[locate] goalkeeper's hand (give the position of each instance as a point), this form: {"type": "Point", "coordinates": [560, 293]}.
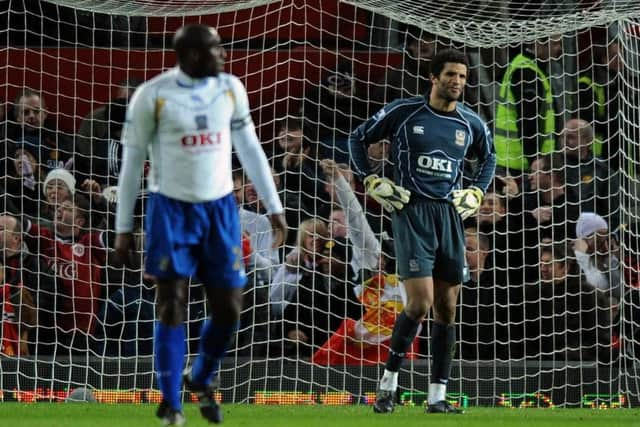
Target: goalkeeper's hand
{"type": "Point", "coordinates": [467, 202]}
{"type": "Point", "coordinates": [391, 197]}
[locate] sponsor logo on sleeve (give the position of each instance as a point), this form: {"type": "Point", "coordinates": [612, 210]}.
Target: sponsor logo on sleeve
{"type": "Point", "coordinates": [379, 115]}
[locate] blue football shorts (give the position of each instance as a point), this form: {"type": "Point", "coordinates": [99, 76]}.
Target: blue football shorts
{"type": "Point", "coordinates": [199, 240]}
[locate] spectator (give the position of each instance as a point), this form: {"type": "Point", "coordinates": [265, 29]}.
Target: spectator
{"type": "Point", "coordinates": [411, 77]}
{"type": "Point", "coordinates": [592, 94]}
{"type": "Point", "coordinates": [333, 109]}
{"type": "Point", "coordinates": [310, 240]}
{"type": "Point", "coordinates": [525, 120]}
{"type": "Point", "coordinates": [483, 311]}
{"type": "Point", "coordinates": [59, 186]}
{"type": "Point", "coordinates": [551, 208]}
{"type": "Point", "coordinates": [247, 197]}
{"type": "Point", "coordinates": [257, 228]}
{"type": "Point", "coordinates": [25, 268]}
{"type": "Point", "coordinates": [98, 145]}
{"type": "Point", "coordinates": [365, 341]}
{"type": "Point", "coordinates": [598, 99]}
{"type": "Point", "coordinates": [381, 293]}
{"type": "Point", "coordinates": [564, 319]}
{"type": "Point", "coordinates": [32, 132]}
{"type": "Point", "coordinates": [22, 184]}
{"type": "Point", "coordinates": [261, 260]}
{"type": "Point", "coordinates": [126, 319]}
{"type": "Point", "coordinates": [597, 254]}
{"type": "Point", "coordinates": [504, 229]}
{"type": "Point", "coordinates": [301, 175]}
{"type": "Point", "coordinates": [18, 316]}
{"type": "Point", "coordinates": [79, 256]}
{"type": "Point", "coordinates": [597, 185]}
{"type": "Point", "coordinates": [324, 298]}
{"type": "Point", "coordinates": [348, 221]}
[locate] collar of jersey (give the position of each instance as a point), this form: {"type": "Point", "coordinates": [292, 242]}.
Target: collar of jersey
{"type": "Point", "coordinates": [184, 80]}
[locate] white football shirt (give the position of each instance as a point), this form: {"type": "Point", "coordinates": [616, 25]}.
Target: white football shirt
{"type": "Point", "coordinates": [187, 127]}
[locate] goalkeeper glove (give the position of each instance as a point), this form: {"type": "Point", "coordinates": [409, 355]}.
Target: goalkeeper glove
{"type": "Point", "coordinates": [390, 196]}
{"type": "Point", "coordinates": [467, 201]}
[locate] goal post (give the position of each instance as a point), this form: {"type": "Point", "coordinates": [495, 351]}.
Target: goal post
{"type": "Point", "coordinates": [327, 66]}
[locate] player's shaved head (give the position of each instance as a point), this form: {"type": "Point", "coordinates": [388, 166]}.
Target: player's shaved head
{"type": "Point", "coordinates": [195, 36]}
{"type": "Point", "coordinates": [198, 50]}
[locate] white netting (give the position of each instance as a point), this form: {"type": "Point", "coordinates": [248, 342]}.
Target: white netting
{"type": "Point", "coordinates": [294, 57]}
{"type": "Point", "coordinates": [162, 7]}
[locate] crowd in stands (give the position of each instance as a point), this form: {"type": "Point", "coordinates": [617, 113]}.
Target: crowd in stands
{"type": "Point", "coordinates": [546, 267]}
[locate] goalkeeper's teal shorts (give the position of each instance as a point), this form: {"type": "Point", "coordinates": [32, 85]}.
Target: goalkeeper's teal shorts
{"type": "Point", "coordinates": [429, 241]}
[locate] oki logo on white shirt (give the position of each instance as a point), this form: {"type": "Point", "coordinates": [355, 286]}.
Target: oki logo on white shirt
{"type": "Point", "coordinates": [201, 139]}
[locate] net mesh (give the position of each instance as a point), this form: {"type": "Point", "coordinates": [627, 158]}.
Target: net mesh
{"type": "Point", "coordinates": [314, 71]}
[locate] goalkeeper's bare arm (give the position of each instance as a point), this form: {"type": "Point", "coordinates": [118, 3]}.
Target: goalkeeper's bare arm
{"type": "Point", "coordinates": [430, 136]}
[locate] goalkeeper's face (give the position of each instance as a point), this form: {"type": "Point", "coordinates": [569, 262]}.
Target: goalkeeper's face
{"type": "Point", "coordinates": [449, 84]}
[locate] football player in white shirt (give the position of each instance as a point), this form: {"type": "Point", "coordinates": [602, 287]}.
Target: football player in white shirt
{"type": "Point", "coordinates": [186, 119]}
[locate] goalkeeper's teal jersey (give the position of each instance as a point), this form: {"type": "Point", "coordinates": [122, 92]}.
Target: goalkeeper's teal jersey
{"type": "Point", "coordinates": [428, 146]}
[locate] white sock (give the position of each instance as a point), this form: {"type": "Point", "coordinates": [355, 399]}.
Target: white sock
{"type": "Point", "coordinates": [389, 381]}
{"type": "Point", "coordinates": [437, 392]}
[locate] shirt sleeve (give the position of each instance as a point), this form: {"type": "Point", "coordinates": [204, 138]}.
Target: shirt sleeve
{"type": "Point", "coordinates": [375, 129]}
{"type": "Point", "coordinates": [247, 146]}
{"type": "Point", "coordinates": [486, 154]}
{"type": "Point", "coordinates": [361, 235]}
{"type": "Point", "coordinates": [138, 132]}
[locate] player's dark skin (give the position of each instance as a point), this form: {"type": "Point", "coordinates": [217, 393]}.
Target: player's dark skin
{"type": "Point", "coordinates": [199, 55]}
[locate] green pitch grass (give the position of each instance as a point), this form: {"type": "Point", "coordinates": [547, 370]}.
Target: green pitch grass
{"type": "Point", "coordinates": [128, 415]}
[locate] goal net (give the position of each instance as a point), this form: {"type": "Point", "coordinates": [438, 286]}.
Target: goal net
{"type": "Point", "coordinates": [550, 312]}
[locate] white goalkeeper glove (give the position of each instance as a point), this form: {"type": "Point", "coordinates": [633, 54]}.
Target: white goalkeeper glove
{"type": "Point", "coordinates": [467, 201]}
{"type": "Point", "coordinates": [391, 197]}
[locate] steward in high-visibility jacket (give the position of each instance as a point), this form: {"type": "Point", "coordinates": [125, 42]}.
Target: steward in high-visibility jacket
{"type": "Point", "coordinates": [516, 141]}
{"type": "Point", "coordinates": [593, 108]}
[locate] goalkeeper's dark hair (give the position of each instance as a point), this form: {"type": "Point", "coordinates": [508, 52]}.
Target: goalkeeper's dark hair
{"type": "Point", "coordinates": [447, 55]}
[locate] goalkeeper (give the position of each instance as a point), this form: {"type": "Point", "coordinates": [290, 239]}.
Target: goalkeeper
{"type": "Point", "coordinates": [430, 136]}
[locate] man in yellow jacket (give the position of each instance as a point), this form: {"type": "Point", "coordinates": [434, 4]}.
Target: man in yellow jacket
{"type": "Point", "coordinates": [525, 121]}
